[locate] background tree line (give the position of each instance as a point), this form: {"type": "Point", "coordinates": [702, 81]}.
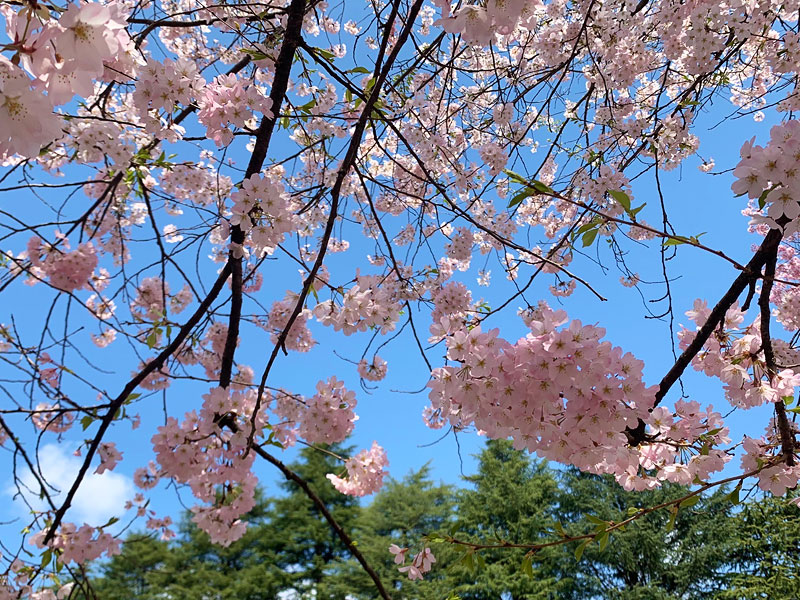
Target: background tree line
{"type": "Point", "coordinates": [714, 549]}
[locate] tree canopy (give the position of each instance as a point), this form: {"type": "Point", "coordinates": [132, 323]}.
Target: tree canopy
{"type": "Point", "coordinates": [709, 551]}
{"type": "Point", "coordinates": [224, 225]}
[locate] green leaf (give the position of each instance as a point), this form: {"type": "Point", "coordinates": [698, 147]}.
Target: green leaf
{"type": "Point", "coordinates": [762, 199]}
{"type": "Point", "coordinates": [673, 515]}
{"type": "Point", "coordinates": [306, 108]}
{"type": "Point", "coordinates": [364, 70]}
{"type": "Point", "coordinates": [734, 495]}
{"type": "Point", "coordinates": [527, 565]}
{"type": "Point", "coordinates": [326, 54]}
{"type": "Point", "coordinates": [468, 560]}
{"type": "Point", "coordinates": [110, 522]}
{"type": "Point", "coordinates": [695, 239]}
{"type": "Point", "coordinates": [515, 176]}
{"type": "Point", "coordinates": [520, 196]}
{"type": "Point", "coordinates": [602, 540]}
{"type": "Point", "coordinates": [589, 237]}
{"type": "Point", "coordinates": [676, 241]}
{"type": "Point", "coordinates": [622, 198]}
{"type": "Point", "coordinates": [635, 211]}
{"type": "Point", "coordinates": [691, 501]}
{"type": "Point", "coordinates": [560, 529]}
{"type": "Point", "coordinates": [597, 520]}
{"type": "Point", "coordinates": [581, 547]}
{"type": "Point", "coordinates": [541, 187]}
{"type": "Point", "coordinates": [47, 556]}
{"type": "Point", "coordinates": [86, 422]}
{"type": "Point", "coordinates": [152, 339]}
{"type": "Point", "coordinates": [587, 226]}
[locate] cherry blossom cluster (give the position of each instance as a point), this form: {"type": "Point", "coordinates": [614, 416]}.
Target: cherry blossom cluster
{"type": "Point", "coordinates": [734, 354]}
{"type": "Point", "coordinates": [153, 298]}
{"type": "Point", "coordinates": [64, 269]}
{"type": "Point", "coordinates": [785, 296]}
{"type": "Point", "coordinates": [479, 24]}
{"type": "Point", "coordinates": [687, 446]}
{"type": "Point", "coordinates": [372, 301]}
{"type": "Point", "coordinates": [60, 56]}
{"type": "Point", "coordinates": [163, 86]}
{"type": "Point", "coordinates": [770, 174]}
{"type": "Point", "coordinates": [52, 418]}
{"type": "Point", "coordinates": [327, 417]}
{"type": "Point", "coordinates": [209, 451]}
{"type": "Point", "coordinates": [263, 210]}
{"type": "Point", "coordinates": [567, 395]}
{"type": "Point", "coordinates": [109, 457]}
{"type": "Point", "coordinates": [365, 472]}
{"type": "Point", "coordinates": [374, 371]}
{"type": "Point", "coordinates": [229, 100]}
{"type": "Point", "coordinates": [460, 248]}
{"type": "Point", "coordinates": [299, 336]}
{"type": "Point", "coordinates": [198, 183]}
{"type": "Point", "coordinates": [420, 564]}
{"type": "Point", "coordinates": [78, 544]}
{"type": "Point", "coordinates": [774, 478]}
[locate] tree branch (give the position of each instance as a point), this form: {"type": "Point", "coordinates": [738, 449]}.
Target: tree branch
{"type": "Point", "coordinates": [784, 428]}
{"type": "Point", "coordinates": [280, 83]}
{"type": "Point", "coordinates": [337, 528]}
{"type": "Point", "coordinates": [117, 402]}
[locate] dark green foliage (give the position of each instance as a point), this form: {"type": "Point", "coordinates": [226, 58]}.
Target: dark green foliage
{"type": "Point", "coordinates": [511, 498]}
{"type": "Point", "coordinates": [712, 550]}
{"type": "Point", "coordinates": [302, 546]}
{"type": "Point", "coordinates": [138, 572]}
{"type": "Point", "coordinates": [765, 553]}
{"type": "Point", "coordinates": [287, 546]}
{"type": "Point", "coordinates": [402, 513]}
{"type": "Point", "coordinates": [650, 559]}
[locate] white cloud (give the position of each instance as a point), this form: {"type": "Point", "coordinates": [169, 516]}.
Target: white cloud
{"type": "Point", "coordinates": [99, 498]}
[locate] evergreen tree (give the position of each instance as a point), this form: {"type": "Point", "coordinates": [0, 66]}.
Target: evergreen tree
{"type": "Point", "coordinates": [512, 499]}
{"type": "Point", "coordinates": [288, 548]}
{"type": "Point", "coordinates": [765, 556]}
{"type": "Point", "coordinates": [402, 513]}
{"type": "Point", "coordinates": [139, 571]}
{"type": "Point", "coordinates": [306, 550]}
{"type": "Point", "coordinates": [710, 551]}
{"type": "Point", "coordinates": [652, 558]}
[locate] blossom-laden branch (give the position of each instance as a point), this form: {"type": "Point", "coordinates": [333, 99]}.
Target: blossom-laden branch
{"type": "Point", "coordinates": [145, 171]}
{"type": "Point", "coordinates": [603, 529]}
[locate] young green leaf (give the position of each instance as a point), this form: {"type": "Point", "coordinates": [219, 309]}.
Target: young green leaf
{"type": "Point", "coordinates": [621, 197]}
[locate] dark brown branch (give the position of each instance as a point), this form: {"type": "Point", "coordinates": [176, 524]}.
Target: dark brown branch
{"type": "Point", "coordinates": [750, 273]}
{"type": "Point", "coordinates": [337, 528]}
{"type": "Point", "coordinates": [347, 162]}
{"type": "Point", "coordinates": [280, 83]}
{"type": "Point", "coordinates": [784, 428]}
{"type": "Point", "coordinates": [117, 402]}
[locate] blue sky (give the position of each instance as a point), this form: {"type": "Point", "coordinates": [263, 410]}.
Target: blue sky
{"type": "Point", "coordinates": [391, 413]}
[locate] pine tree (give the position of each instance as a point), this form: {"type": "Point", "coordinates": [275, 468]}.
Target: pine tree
{"type": "Point", "coordinates": [288, 548]}
{"type": "Point", "coordinates": [402, 513]}
{"type": "Point", "coordinates": [655, 557]}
